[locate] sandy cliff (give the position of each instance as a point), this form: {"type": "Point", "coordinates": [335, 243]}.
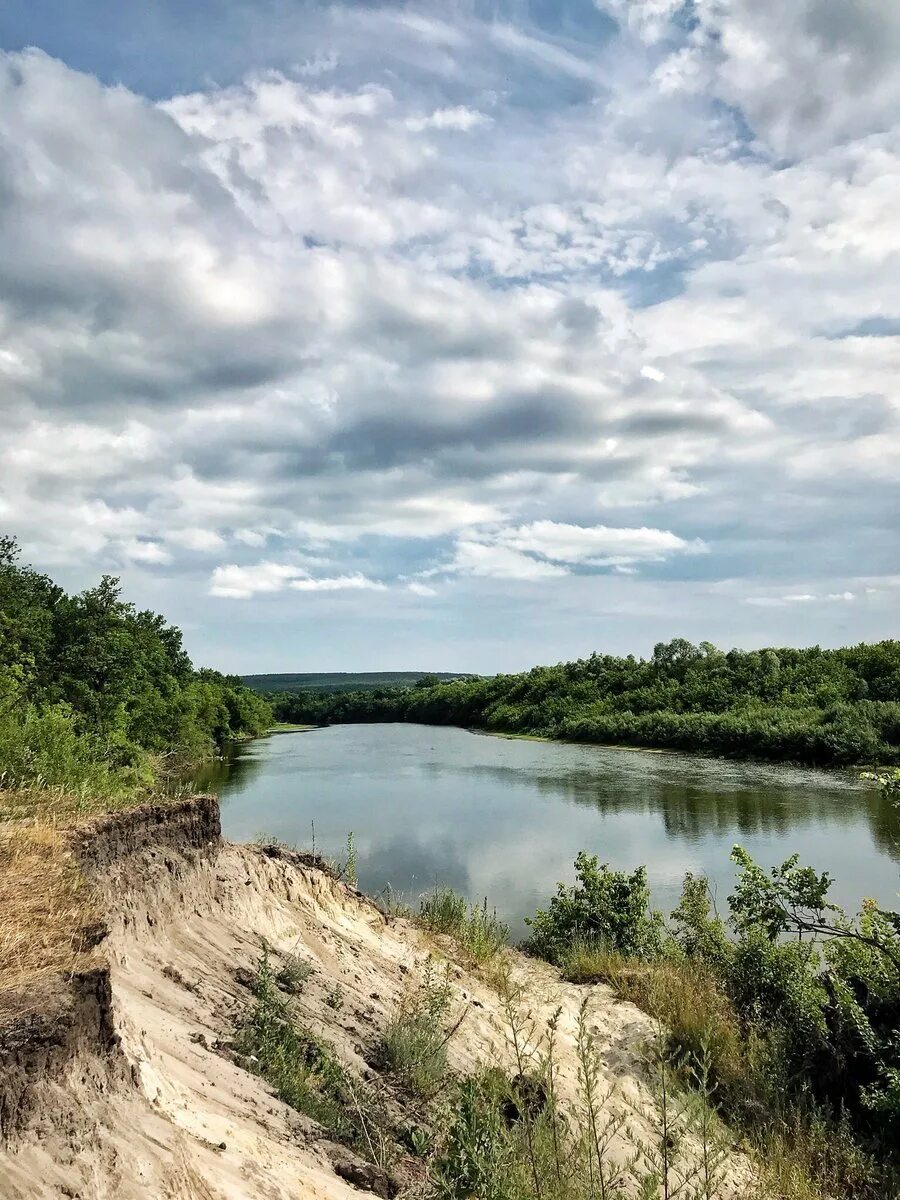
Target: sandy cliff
{"type": "Point", "coordinates": [120, 1082]}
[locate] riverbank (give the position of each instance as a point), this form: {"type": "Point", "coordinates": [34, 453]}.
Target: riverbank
{"type": "Point", "coordinates": [128, 1074]}
{"type": "Point", "coordinates": [538, 737]}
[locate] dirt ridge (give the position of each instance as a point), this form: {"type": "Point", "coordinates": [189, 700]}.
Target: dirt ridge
{"type": "Point", "coordinates": [49, 1022]}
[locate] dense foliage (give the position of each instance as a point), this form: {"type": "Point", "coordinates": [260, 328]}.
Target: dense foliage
{"type": "Point", "coordinates": [93, 692]}
{"type": "Point", "coordinates": [794, 1003]}
{"type": "Point", "coordinates": [812, 705]}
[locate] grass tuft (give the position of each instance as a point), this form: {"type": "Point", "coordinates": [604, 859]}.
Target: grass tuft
{"type": "Point", "coordinates": [414, 1043]}
{"type": "Point", "coordinates": [477, 930]}
{"type": "Point", "coordinates": [302, 1069]}
{"type": "Point", "coordinates": [293, 974]}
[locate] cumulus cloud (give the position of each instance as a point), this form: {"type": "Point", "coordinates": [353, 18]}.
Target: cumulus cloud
{"type": "Point", "coordinates": [494, 561]}
{"type": "Point", "coordinates": [145, 552]}
{"type": "Point", "coordinates": [549, 549]}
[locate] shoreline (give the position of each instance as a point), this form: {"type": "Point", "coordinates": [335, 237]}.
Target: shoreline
{"type": "Point", "coordinates": [854, 771]}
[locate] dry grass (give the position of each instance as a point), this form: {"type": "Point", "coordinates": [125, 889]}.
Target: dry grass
{"type": "Point", "coordinates": [45, 908]}
{"type": "Point", "coordinates": [62, 806]}
{"type": "Point", "coordinates": [47, 911]}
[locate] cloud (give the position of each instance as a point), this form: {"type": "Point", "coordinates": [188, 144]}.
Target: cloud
{"type": "Point", "coordinates": [597, 545]}
{"type": "Point", "coordinates": [459, 118]}
{"type": "Point", "coordinates": [798, 598]}
{"type": "Point", "coordinates": [530, 301]}
{"type": "Point", "coordinates": [145, 552]}
{"type": "Point", "coordinates": [240, 583]}
{"type": "Point", "coordinates": [499, 562]}
{"type": "Point", "coordinates": [338, 583]}
{"type": "Point", "coordinates": [538, 550]}
{"type": "Point", "coordinates": [200, 540]}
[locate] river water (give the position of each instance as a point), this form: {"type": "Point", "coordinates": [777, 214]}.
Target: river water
{"type": "Point", "coordinates": [504, 818]}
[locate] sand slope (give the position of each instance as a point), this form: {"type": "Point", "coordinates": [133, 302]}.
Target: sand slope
{"type": "Point", "coordinates": [142, 1099]}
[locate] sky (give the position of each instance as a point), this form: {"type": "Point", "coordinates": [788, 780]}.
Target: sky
{"type": "Point", "coordinates": [456, 336]}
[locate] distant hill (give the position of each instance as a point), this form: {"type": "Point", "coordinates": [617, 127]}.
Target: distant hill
{"type": "Point", "coordinates": [342, 681]}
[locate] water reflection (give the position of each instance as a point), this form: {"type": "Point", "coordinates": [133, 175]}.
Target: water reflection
{"type": "Point", "coordinates": [505, 818]}
{"type": "Point", "coordinates": [735, 798]}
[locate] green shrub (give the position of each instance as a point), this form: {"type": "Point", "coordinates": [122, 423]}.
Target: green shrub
{"type": "Point", "coordinates": [604, 906]}
{"type": "Point", "coordinates": [793, 1007]}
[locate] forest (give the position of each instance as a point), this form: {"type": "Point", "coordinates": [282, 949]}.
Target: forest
{"type": "Point", "coordinates": [100, 696]}
{"type": "Point", "coordinates": [816, 706]}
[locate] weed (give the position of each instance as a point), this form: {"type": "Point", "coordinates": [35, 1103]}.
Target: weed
{"type": "Point", "coordinates": [443, 911]}
{"type": "Point", "coordinates": [414, 1043]}
{"type": "Point", "coordinates": [392, 903]}
{"type": "Point", "coordinates": [293, 973]}
{"type": "Point", "coordinates": [334, 997]}
{"type": "Point", "coordinates": [301, 1068]}
{"type": "Point", "coordinates": [347, 869]}
{"type": "Point", "coordinates": [477, 930]}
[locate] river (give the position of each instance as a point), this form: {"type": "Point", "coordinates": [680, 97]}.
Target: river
{"type": "Point", "coordinates": [504, 818]}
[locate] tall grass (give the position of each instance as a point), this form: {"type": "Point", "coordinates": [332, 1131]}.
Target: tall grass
{"type": "Point", "coordinates": [511, 1137]}
{"type": "Point", "coordinates": [808, 1154]}
{"type": "Point", "coordinates": [414, 1044]}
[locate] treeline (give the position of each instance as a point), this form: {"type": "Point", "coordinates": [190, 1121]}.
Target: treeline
{"type": "Point", "coordinates": [827, 707]}
{"type": "Point", "coordinates": [97, 694]}
{"type": "Point", "coordinates": [340, 681]}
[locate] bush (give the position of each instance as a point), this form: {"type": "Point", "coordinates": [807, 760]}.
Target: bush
{"type": "Point", "coordinates": [605, 907]}
{"type": "Point", "coordinates": [791, 1008]}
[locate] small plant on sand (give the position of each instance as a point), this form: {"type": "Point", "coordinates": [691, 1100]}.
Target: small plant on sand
{"type": "Point", "coordinates": [478, 930]}
{"type": "Point", "coordinates": [293, 973]}
{"type": "Point", "coordinates": [347, 869]}
{"type": "Point", "coordinates": [414, 1044]}
{"type": "Point", "coordinates": [334, 998]}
